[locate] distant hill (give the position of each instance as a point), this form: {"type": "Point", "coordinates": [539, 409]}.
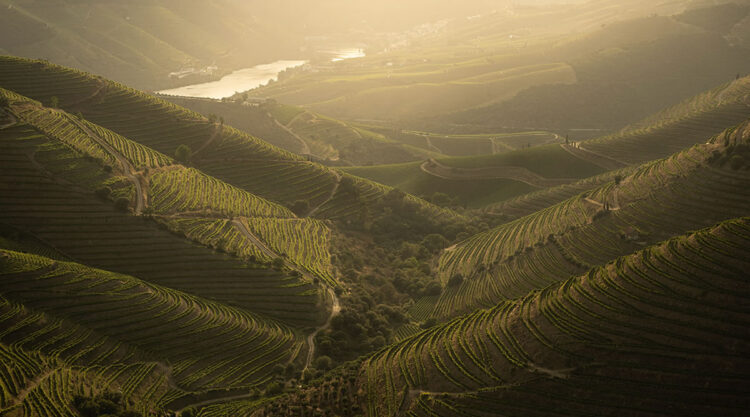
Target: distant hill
{"type": "Point", "coordinates": [598, 66]}
{"type": "Point", "coordinates": [141, 43]}
{"type": "Point", "coordinates": [563, 170]}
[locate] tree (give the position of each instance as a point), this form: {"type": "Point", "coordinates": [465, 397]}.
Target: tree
{"type": "Point", "coordinates": [212, 118]}
{"type": "Point", "coordinates": [323, 362]}
{"type": "Point", "coordinates": [618, 179]}
{"type": "Point", "coordinates": [54, 102]}
{"type": "Point", "coordinates": [455, 280]}
{"type": "Point", "coordinates": [183, 154]}
{"type": "Point", "coordinates": [122, 204]}
{"type": "Point", "coordinates": [274, 389]}
{"type": "Point", "coordinates": [4, 102]}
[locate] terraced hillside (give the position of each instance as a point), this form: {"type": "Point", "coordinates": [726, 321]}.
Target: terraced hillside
{"type": "Point", "coordinates": [702, 185]}
{"type": "Point", "coordinates": [660, 332]}
{"type": "Point", "coordinates": [131, 335]}
{"type": "Point", "coordinates": [217, 150]}
{"type": "Point", "coordinates": [56, 185]}
{"type": "Point", "coordinates": [480, 181]}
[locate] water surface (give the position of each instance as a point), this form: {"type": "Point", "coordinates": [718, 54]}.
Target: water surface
{"type": "Point", "coordinates": [238, 81]}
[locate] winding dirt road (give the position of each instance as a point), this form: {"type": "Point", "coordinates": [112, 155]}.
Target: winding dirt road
{"type": "Point", "coordinates": [128, 169]}
{"type": "Point", "coordinates": [330, 196]}
{"type": "Point", "coordinates": [602, 161]}
{"type": "Point", "coordinates": [335, 308]}
{"type": "Point", "coordinates": [305, 147]}
{"type": "Point", "coordinates": [521, 174]}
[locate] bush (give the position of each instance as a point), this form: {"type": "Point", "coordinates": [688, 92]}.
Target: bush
{"type": "Point", "coordinates": [274, 388]}
{"type": "Point", "coordinates": [433, 288]}
{"type": "Point", "coordinates": [456, 280]}
{"type": "Point", "coordinates": [324, 363]}
{"type": "Point", "coordinates": [103, 193]}
{"type": "Point", "coordinates": [428, 323]}
{"type": "Point", "coordinates": [183, 154]}
{"type": "Point", "coordinates": [122, 204]}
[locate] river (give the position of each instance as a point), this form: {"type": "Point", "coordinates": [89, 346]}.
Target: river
{"type": "Point", "coordinates": [238, 81]}
{"type": "Point", "coordinates": [250, 78]}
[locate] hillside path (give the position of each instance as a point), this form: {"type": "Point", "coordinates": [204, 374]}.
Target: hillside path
{"type": "Point", "coordinates": [305, 147]}
{"type": "Point", "coordinates": [128, 168]}
{"type": "Point", "coordinates": [335, 309]}
{"type": "Point", "coordinates": [430, 145]}
{"type": "Point", "coordinates": [178, 413]}
{"type": "Point", "coordinates": [521, 174]}
{"type": "Point", "coordinates": [295, 118]}
{"type": "Point", "coordinates": [21, 396]}
{"type": "Point", "coordinates": [217, 131]}
{"type": "Point", "coordinates": [12, 122]}
{"type": "Point", "coordinates": [330, 196]}
{"type": "Point", "coordinates": [602, 161]}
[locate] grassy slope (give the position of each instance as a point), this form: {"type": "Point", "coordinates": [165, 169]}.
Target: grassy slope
{"type": "Point", "coordinates": [677, 127]}
{"type": "Point", "coordinates": [231, 156]}
{"type": "Point", "coordinates": [64, 214]}
{"type": "Point", "coordinates": [643, 335]}
{"type": "Point", "coordinates": [689, 190]}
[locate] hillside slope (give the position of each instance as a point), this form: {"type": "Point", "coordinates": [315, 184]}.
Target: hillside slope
{"type": "Point", "coordinates": [223, 152]}
{"type": "Point", "coordinates": [702, 185]}
{"type": "Point", "coordinates": [60, 179]}
{"type": "Point", "coordinates": [660, 332]}
{"type": "Point", "coordinates": [481, 180]}
{"type": "Point", "coordinates": [131, 334]}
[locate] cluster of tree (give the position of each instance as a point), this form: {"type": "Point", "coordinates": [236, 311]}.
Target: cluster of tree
{"type": "Point", "coordinates": [104, 404]}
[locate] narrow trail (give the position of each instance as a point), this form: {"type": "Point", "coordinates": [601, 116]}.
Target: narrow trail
{"type": "Point", "coordinates": [431, 146]}
{"type": "Point", "coordinates": [128, 169]}
{"type": "Point", "coordinates": [295, 118]}
{"type": "Point", "coordinates": [305, 147]}
{"type": "Point", "coordinates": [218, 400]}
{"type": "Point", "coordinates": [615, 206]}
{"type": "Point", "coordinates": [99, 90]}
{"type": "Point", "coordinates": [330, 196]}
{"type": "Point", "coordinates": [217, 131]}
{"type": "Point", "coordinates": [13, 121]}
{"type": "Point", "coordinates": [21, 396]}
{"type": "Point", "coordinates": [335, 309]}
{"type": "Point", "coordinates": [521, 174]}
{"type": "Point", "coordinates": [240, 225]}
{"type": "Point", "coordinates": [602, 161]}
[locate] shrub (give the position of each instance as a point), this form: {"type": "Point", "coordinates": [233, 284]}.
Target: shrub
{"type": "Point", "coordinates": [433, 288]}
{"type": "Point", "coordinates": [323, 362]}
{"type": "Point", "coordinates": [103, 193]}
{"type": "Point", "coordinates": [455, 280]}
{"type": "Point", "coordinates": [274, 388]}
{"type": "Point", "coordinates": [122, 204]}
{"type": "Point", "coordinates": [183, 153]}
